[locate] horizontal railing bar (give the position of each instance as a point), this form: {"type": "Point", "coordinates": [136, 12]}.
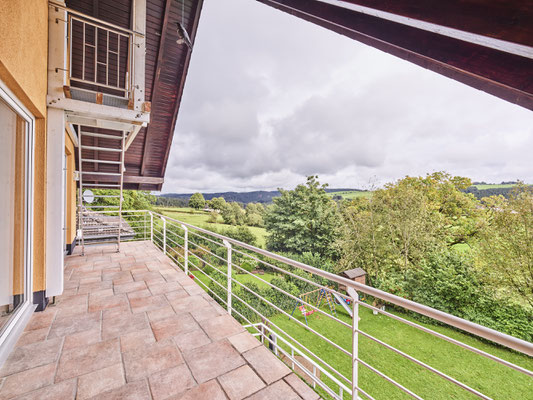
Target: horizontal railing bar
{"type": "Point", "coordinates": [449, 339]}
{"type": "Point", "coordinates": [286, 334]}
{"type": "Point", "coordinates": [338, 347]}
{"type": "Point", "coordinates": [320, 367]}
{"type": "Point", "coordinates": [96, 148]}
{"type": "Point", "coordinates": [471, 327]}
{"type": "Point", "coordinates": [99, 185]}
{"type": "Point", "coordinates": [100, 161]}
{"type": "Point", "coordinates": [85, 16]}
{"type": "Point", "coordinates": [100, 135]}
{"type": "Point", "coordinates": [94, 83]}
{"type": "Point", "coordinates": [424, 365]}
{"type": "Point", "coordinates": [295, 297]}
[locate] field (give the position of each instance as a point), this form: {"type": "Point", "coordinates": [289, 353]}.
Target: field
{"type": "Point", "coordinates": [491, 186]}
{"type": "Point", "coordinates": [350, 195]}
{"type": "Point", "coordinates": [200, 219]}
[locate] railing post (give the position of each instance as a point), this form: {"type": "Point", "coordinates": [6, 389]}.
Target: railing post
{"type": "Point", "coordinates": [152, 227]}
{"type": "Point", "coordinates": [228, 246]}
{"type": "Point", "coordinates": [186, 249]}
{"type": "Point", "coordinates": [355, 341]}
{"type": "Point", "coordinates": [164, 236]}
{"type": "Point", "coordinates": [144, 226]}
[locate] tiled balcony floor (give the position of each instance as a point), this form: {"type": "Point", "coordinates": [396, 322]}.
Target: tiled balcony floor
{"type": "Point", "coordinates": [131, 326]}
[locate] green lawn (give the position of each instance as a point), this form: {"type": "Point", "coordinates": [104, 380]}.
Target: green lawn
{"type": "Point", "coordinates": [200, 218]}
{"type": "Point", "coordinates": [489, 186]}
{"type": "Point", "coordinates": [350, 195]}
{"type": "Point", "coordinates": [484, 375]}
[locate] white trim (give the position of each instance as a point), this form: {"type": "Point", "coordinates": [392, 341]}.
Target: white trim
{"type": "Point", "coordinates": [17, 322]}
{"type": "Point", "coordinates": [485, 41]}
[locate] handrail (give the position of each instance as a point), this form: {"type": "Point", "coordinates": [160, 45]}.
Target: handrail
{"type": "Point", "coordinates": [467, 326]}
{"type": "Point", "coordinates": [86, 16]}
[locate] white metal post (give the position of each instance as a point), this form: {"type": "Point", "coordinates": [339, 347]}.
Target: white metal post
{"type": "Point", "coordinates": [144, 226]}
{"type": "Point", "coordinates": [186, 249]}
{"type": "Point", "coordinates": [164, 236]}
{"type": "Point", "coordinates": [152, 227]}
{"type": "Point", "coordinates": [355, 340]}
{"type": "Point", "coordinates": [228, 246]}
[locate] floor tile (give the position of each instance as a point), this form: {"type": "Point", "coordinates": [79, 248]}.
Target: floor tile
{"type": "Point", "coordinates": [65, 390]}
{"type": "Point", "coordinates": [82, 360]}
{"type": "Point", "coordinates": [268, 366]}
{"type": "Point", "coordinates": [146, 361]}
{"type": "Point", "coordinates": [28, 380]}
{"type": "Point", "coordinates": [100, 381]}
{"type": "Point", "coordinates": [191, 340]}
{"type": "Point", "coordinates": [71, 324]}
{"type": "Point", "coordinates": [300, 387]}
{"type": "Point", "coordinates": [145, 304]}
{"type": "Point", "coordinates": [241, 383]}
{"type": "Point", "coordinates": [278, 390]}
{"type": "Point", "coordinates": [32, 336]}
{"type": "Point", "coordinates": [40, 320]}
{"type": "Point", "coordinates": [136, 340]}
{"type": "Point", "coordinates": [171, 382]}
{"type": "Point", "coordinates": [132, 391]}
{"type": "Point", "coordinates": [103, 303]}
{"type": "Point", "coordinates": [212, 360]}
{"type": "Point", "coordinates": [221, 327]}
{"type": "Point", "coordinates": [244, 341]}
{"type": "Point", "coordinates": [31, 356]}
{"type": "Point", "coordinates": [83, 338]}
{"type": "Point", "coordinates": [173, 325]}
{"type": "Point", "coordinates": [122, 324]}
{"type": "Point", "coordinates": [209, 390]}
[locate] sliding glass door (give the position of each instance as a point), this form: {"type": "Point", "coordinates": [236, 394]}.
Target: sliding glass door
{"type": "Point", "coordinates": [16, 151]}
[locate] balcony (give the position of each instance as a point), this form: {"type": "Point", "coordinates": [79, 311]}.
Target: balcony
{"type": "Point", "coordinates": [161, 319]}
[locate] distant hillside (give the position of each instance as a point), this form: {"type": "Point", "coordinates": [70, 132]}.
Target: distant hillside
{"type": "Point", "coordinates": [259, 196]}
{"type": "Point", "coordinates": [482, 189]}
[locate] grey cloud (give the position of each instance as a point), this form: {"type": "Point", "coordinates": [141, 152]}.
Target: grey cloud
{"type": "Point", "coordinates": [270, 99]}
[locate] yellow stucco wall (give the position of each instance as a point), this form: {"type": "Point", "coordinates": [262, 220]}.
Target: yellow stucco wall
{"type": "Point", "coordinates": [23, 69]}
{"type": "Point", "coordinates": [70, 190]}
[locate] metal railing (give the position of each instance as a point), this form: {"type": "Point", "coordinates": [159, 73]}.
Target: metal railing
{"type": "Point", "coordinates": [100, 55]}
{"type": "Point", "coordinates": [331, 358]}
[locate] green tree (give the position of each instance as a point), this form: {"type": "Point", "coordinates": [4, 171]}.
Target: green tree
{"type": "Point", "coordinates": [233, 214]}
{"type": "Point", "coordinates": [197, 201]}
{"type": "Point", "coordinates": [217, 203]}
{"type": "Point", "coordinates": [132, 199]}
{"type": "Point", "coordinates": [303, 220]}
{"type": "Point", "coordinates": [505, 250]}
{"type": "Point", "coordinates": [254, 214]}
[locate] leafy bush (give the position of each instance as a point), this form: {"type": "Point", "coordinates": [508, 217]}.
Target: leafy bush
{"type": "Point", "coordinates": [448, 282]}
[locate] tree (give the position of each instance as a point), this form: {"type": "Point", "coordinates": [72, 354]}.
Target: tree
{"type": "Point", "coordinates": [132, 199]}
{"type": "Point", "coordinates": [217, 203]}
{"type": "Point", "coordinates": [254, 214]}
{"type": "Point", "coordinates": [303, 220]}
{"type": "Point", "coordinates": [505, 251]}
{"type": "Point", "coordinates": [197, 201]}
{"type": "Point", "coordinates": [233, 214]}
{"type": "Point", "coordinates": [396, 228]}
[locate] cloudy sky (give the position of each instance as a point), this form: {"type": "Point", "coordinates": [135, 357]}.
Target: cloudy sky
{"type": "Point", "coordinates": [270, 99]}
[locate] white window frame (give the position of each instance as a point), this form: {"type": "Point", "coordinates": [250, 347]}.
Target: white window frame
{"type": "Point", "coordinates": [19, 319]}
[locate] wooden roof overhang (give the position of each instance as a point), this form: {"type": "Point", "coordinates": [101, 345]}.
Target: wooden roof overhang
{"type": "Point", "coordinates": [166, 69]}
{"type": "Point", "coordinates": [486, 44]}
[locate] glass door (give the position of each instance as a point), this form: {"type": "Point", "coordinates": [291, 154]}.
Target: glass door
{"type": "Point", "coordinates": [16, 155]}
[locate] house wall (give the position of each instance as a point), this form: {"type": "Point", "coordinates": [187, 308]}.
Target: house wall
{"type": "Point", "coordinates": [23, 69]}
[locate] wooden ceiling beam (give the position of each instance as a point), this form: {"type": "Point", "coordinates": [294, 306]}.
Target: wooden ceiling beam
{"type": "Point", "coordinates": [502, 74]}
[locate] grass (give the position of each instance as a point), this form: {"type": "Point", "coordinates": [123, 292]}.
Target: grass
{"type": "Point", "coordinates": [487, 376]}
{"type": "Point", "coordinates": [490, 186]}
{"type": "Point", "coordinates": [200, 218]}
{"type": "Point", "coordinates": [350, 195]}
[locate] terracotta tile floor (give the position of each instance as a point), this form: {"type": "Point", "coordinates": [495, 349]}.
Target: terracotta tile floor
{"type": "Point", "coordinates": [131, 326]}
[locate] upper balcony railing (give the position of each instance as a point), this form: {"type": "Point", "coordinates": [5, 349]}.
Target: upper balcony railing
{"type": "Point", "coordinates": [340, 356]}
{"type": "Point", "coordinates": [99, 57]}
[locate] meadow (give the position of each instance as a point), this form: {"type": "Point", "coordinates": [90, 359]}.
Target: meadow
{"type": "Point", "coordinates": [200, 218]}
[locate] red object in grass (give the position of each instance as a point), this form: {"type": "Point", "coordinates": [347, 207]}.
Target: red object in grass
{"type": "Point", "coordinates": [191, 276]}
